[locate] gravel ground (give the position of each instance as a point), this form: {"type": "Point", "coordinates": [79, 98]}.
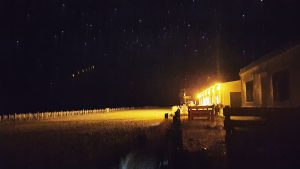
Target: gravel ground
{"type": "Point", "coordinates": [203, 144]}
{"type": "Point", "coordinates": [91, 141]}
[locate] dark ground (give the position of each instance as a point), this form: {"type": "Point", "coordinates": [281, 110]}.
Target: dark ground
{"type": "Point", "coordinates": [97, 141]}
{"type": "Point", "coordinates": [135, 144]}
{"type": "Point", "coordinates": [204, 144]}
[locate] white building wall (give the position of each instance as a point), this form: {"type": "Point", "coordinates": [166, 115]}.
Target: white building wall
{"type": "Point", "coordinates": [288, 60]}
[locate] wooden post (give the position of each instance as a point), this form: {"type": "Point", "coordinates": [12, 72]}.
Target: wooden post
{"type": "Point", "coordinates": [227, 124]}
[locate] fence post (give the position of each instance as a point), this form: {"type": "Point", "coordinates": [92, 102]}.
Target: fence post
{"type": "Point", "coordinates": [227, 125]}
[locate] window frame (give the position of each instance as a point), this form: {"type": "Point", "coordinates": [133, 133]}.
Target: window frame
{"type": "Point", "coordinates": [247, 93]}
{"type": "Point", "coordinates": [281, 80]}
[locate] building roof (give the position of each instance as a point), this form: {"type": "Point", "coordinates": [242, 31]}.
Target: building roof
{"type": "Point", "coordinates": [268, 57]}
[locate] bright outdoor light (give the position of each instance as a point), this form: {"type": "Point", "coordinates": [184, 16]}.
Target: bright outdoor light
{"type": "Point", "coordinates": [210, 95]}
{"type": "Point", "coordinates": [218, 86]}
{"type": "Point", "coordinates": [199, 95]}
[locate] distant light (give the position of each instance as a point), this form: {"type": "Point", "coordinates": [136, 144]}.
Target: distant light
{"type": "Point", "coordinates": [199, 96]}
{"type": "Point", "coordinates": [218, 86]}
{"type": "Point", "coordinates": [73, 75]}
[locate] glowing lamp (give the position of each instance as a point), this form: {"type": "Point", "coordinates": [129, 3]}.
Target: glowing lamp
{"type": "Point", "coordinates": [218, 86]}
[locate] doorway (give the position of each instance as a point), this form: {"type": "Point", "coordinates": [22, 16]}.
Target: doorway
{"type": "Point", "coordinates": [235, 99]}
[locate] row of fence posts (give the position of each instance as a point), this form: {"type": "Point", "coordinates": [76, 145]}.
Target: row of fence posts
{"type": "Point", "coordinates": [49, 115]}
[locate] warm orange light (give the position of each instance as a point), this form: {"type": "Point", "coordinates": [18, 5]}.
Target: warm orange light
{"type": "Point", "coordinates": [211, 95]}
{"type": "Point", "coordinates": [218, 86]}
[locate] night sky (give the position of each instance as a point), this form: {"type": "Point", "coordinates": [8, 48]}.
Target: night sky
{"type": "Point", "coordinates": [75, 54]}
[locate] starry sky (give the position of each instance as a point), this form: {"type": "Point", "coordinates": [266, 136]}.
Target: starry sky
{"type": "Point", "coordinates": [75, 54]}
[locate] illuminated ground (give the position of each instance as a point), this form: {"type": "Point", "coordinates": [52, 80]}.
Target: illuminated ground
{"type": "Point", "coordinates": [89, 141]}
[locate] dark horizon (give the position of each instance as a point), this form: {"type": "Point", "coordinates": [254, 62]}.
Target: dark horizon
{"type": "Point", "coordinates": [65, 55]}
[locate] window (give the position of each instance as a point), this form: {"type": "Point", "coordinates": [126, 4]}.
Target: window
{"type": "Point", "coordinates": [281, 86]}
{"type": "Point", "coordinates": [249, 91]}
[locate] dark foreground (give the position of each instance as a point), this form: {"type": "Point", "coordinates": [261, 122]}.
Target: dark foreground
{"type": "Point", "coordinates": [141, 139]}
{"type": "Point", "coordinates": [104, 140]}
{"type": "Point", "coordinates": [205, 144]}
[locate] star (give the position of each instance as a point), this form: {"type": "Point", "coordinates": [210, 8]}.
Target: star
{"type": "Point", "coordinates": [17, 43]}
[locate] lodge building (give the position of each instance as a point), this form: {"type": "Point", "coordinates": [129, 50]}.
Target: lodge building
{"type": "Point", "coordinates": [273, 80]}
{"type": "Point", "coordinates": [226, 94]}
